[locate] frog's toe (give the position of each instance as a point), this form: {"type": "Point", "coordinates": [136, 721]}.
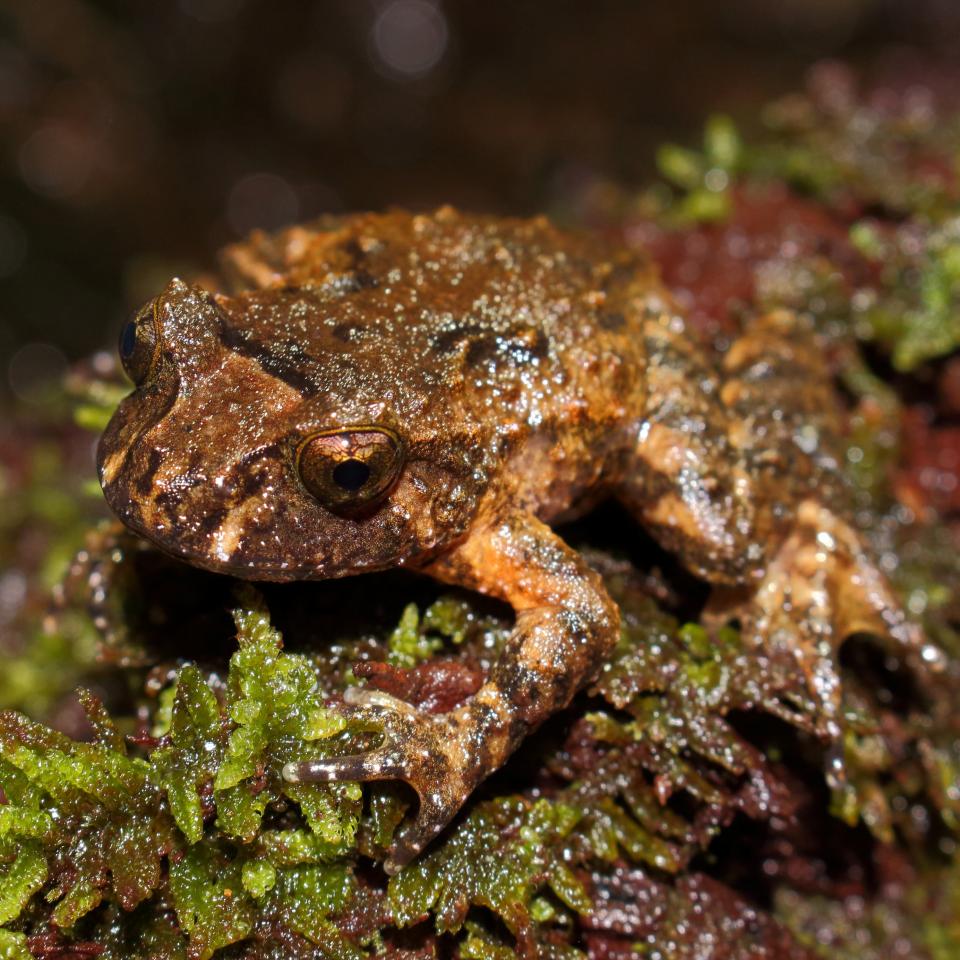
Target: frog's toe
{"type": "Point", "coordinates": [370, 703]}
{"type": "Point", "coordinates": [393, 719]}
{"type": "Point", "coordinates": [381, 764]}
{"type": "Point", "coordinates": [434, 814]}
{"type": "Point", "coordinates": [424, 751]}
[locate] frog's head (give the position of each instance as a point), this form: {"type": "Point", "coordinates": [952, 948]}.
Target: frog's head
{"type": "Point", "coordinates": [243, 452]}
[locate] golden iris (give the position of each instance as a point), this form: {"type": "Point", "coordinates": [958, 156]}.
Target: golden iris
{"type": "Point", "coordinates": [350, 468]}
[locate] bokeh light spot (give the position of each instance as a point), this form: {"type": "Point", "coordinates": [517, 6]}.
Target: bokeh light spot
{"type": "Point", "coordinates": [261, 200]}
{"type": "Point", "coordinates": [409, 37]}
{"type": "Point", "coordinates": [13, 246]}
{"type": "Point", "coordinates": [35, 370]}
{"type": "Point", "coordinates": [55, 162]}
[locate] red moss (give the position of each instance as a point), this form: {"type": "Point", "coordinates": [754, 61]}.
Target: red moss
{"type": "Point", "coordinates": [52, 946]}
{"type": "Point", "coordinates": [435, 686]}
{"type": "Point", "coordinates": [712, 268]}
{"type": "Point", "coordinates": [930, 466]}
{"type": "Point", "coordinates": [697, 915]}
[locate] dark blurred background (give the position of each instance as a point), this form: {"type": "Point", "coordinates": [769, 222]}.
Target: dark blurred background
{"type": "Point", "coordinates": [138, 136]}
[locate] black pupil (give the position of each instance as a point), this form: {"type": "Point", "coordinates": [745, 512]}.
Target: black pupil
{"type": "Point", "coordinates": [128, 340]}
{"type": "Point", "coordinates": [351, 474]}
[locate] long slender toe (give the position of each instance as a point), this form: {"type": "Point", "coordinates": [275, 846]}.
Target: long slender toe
{"type": "Point", "coordinates": [378, 765]}
{"type": "Point", "coordinates": [432, 816]}
{"type": "Point", "coordinates": [424, 751]}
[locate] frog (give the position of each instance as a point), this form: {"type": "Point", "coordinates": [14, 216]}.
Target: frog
{"type": "Point", "coordinates": [438, 392]}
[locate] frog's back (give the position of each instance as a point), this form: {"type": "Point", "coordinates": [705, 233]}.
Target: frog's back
{"type": "Point", "coordinates": [504, 312]}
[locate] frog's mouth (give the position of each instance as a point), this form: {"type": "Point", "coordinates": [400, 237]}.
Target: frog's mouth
{"type": "Point", "coordinates": [214, 538]}
{"type": "Point", "coordinates": [138, 413]}
{"type": "Point", "coordinates": [213, 542]}
{"type": "Point", "coordinates": [248, 561]}
{"type": "Point", "coordinates": [268, 533]}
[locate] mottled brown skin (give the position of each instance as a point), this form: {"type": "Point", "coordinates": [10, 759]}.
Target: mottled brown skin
{"type": "Point", "coordinates": [525, 373]}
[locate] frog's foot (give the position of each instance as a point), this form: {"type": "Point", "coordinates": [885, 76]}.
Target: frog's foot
{"type": "Point", "coordinates": [100, 575]}
{"type": "Point", "coordinates": [819, 589]}
{"type": "Point", "coordinates": [430, 752]}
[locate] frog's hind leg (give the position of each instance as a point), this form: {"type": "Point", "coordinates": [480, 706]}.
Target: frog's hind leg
{"type": "Point", "coordinates": [820, 588]}
{"type": "Point", "coordinates": [684, 477]}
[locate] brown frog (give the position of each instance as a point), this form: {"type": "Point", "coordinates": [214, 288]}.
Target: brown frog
{"type": "Point", "coordinates": [435, 391]}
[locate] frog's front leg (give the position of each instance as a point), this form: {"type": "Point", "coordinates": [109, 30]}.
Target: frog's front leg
{"type": "Point", "coordinates": [566, 624]}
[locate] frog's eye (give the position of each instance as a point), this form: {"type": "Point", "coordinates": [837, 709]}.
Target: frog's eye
{"type": "Point", "coordinates": [348, 469]}
{"type": "Point", "coordinates": [139, 345]}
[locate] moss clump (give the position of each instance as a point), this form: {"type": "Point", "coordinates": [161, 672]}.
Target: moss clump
{"type": "Point", "coordinates": [914, 308]}
{"type": "Point", "coordinates": [196, 836]}
{"type": "Point", "coordinates": [183, 823]}
{"type": "Point", "coordinates": [871, 214]}
{"type": "Point", "coordinates": [702, 179]}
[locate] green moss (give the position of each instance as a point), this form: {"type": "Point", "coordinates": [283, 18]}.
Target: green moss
{"type": "Point", "coordinates": [851, 158]}
{"type": "Point", "coordinates": [116, 820]}
{"type": "Point", "coordinates": [417, 638]}
{"type": "Point", "coordinates": [476, 868]}
{"type": "Point", "coordinates": [13, 946]}
{"type": "Point", "coordinates": [213, 907]}
{"type": "Point", "coordinates": [914, 310]}
{"type": "Point", "coordinates": [702, 180]}
{"type": "Point", "coordinates": [408, 645]}
{"type": "Point", "coordinates": [204, 818]}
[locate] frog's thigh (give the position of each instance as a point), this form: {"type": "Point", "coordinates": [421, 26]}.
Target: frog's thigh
{"type": "Point", "coordinates": [820, 588]}
{"type": "Point", "coordinates": [685, 485]}
{"type": "Point", "coordinates": [683, 476]}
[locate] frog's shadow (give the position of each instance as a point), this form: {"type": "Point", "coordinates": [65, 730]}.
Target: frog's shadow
{"type": "Point", "coordinates": [184, 613]}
